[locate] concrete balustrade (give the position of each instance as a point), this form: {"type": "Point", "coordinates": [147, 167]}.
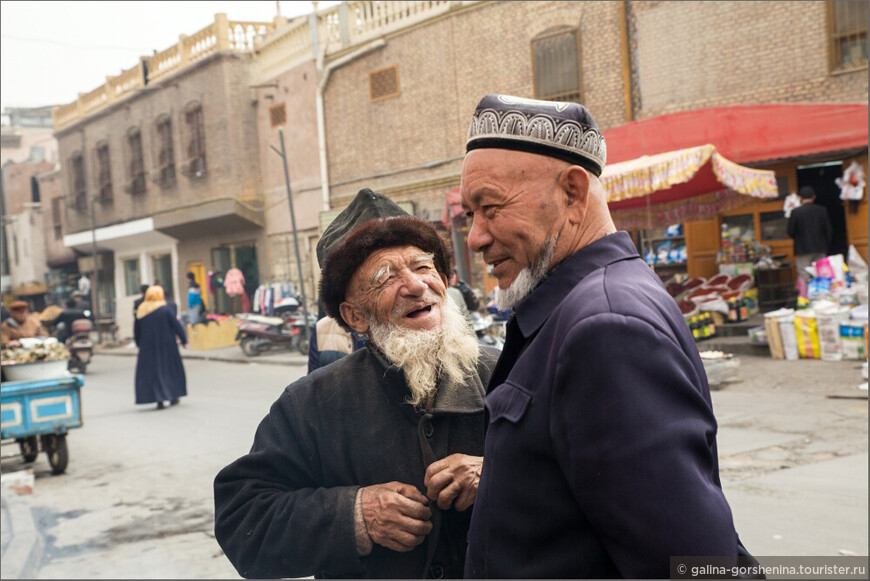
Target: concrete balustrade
{"type": "Point", "coordinates": [276, 45]}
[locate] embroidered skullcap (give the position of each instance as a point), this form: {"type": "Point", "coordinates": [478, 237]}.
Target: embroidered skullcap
{"type": "Point", "coordinates": [565, 131]}
{"type": "Point", "coordinates": [367, 205]}
{"type": "Point", "coordinates": [349, 254]}
{"type": "Point", "coordinates": [18, 305]}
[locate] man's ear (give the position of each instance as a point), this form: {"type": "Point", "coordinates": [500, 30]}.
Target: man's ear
{"type": "Point", "coordinates": [574, 181]}
{"type": "Point", "coordinates": [354, 317]}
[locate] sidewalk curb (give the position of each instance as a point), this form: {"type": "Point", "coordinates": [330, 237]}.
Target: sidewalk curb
{"type": "Point", "coordinates": [217, 358]}
{"type": "Point", "coordinates": [23, 554]}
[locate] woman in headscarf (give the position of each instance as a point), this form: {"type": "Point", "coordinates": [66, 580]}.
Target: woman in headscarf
{"type": "Point", "coordinates": [159, 371]}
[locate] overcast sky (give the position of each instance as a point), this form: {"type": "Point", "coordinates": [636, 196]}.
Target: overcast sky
{"type": "Point", "coordinates": [52, 51]}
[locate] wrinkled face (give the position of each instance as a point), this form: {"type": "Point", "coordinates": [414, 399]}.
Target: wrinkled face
{"type": "Point", "coordinates": [512, 200]}
{"type": "Point", "coordinates": [398, 286]}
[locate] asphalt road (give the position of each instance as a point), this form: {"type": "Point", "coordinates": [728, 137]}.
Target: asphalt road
{"type": "Point", "coordinates": [136, 500]}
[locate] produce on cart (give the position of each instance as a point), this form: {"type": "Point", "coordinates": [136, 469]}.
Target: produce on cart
{"type": "Point", "coordinates": [40, 400]}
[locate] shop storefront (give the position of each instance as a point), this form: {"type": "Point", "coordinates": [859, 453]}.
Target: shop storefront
{"type": "Point", "coordinates": [800, 144]}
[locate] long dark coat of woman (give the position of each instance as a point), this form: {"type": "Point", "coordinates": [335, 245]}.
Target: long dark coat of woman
{"type": "Point", "coordinates": [159, 372]}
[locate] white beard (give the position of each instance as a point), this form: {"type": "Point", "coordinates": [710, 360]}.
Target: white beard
{"type": "Point", "coordinates": [452, 349]}
{"type": "Point", "coordinates": [528, 278]}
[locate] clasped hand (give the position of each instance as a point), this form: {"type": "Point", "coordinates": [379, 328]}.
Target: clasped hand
{"type": "Point", "coordinates": [452, 481]}
{"type": "Point", "coordinates": [396, 515]}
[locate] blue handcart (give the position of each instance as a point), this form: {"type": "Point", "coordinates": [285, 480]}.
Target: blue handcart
{"type": "Point", "coordinates": [38, 413]}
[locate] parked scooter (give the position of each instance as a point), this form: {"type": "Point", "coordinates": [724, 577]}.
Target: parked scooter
{"type": "Point", "coordinates": [489, 331]}
{"type": "Point", "coordinates": [79, 344]}
{"type": "Point", "coordinates": [259, 333]}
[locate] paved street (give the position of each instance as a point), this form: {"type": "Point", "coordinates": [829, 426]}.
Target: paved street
{"type": "Point", "coordinates": [136, 500]}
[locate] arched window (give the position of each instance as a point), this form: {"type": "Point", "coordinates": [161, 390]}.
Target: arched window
{"type": "Point", "coordinates": [137, 162]}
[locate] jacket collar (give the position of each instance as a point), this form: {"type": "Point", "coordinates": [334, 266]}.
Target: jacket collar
{"type": "Point", "coordinates": [450, 397]}
{"type": "Point", "coordinates": [533, 311]}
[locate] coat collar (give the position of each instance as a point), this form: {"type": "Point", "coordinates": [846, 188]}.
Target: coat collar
{"type": "Point", "coordinates": [450, 397]}
{"type": "Point", "coordinates": [533, 311]}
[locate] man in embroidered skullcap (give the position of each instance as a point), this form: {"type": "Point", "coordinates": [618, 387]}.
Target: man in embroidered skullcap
{"type": "Point", "coordinates": [366, 467]}
{"type": "Point", "coordinates": [600, 447]}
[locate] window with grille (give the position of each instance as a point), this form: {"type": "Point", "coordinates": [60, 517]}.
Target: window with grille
{"type": "Point", "coordinates": [196, 145]}
{"type": "Point", "coordinates": [847, 22]}
{"type": "Point", "coordinates": [166, 155]}
{"type": "Point", "coordinates": [104, 173]}
{"type": "Point", "coordinates": [278, 115]}
{"type": "Point", "coordinates": [137, 163]}
{"type": "Point", "coordinates": [556, 65]}
{"type": "Point", "coordinates": [77, 171]}
{"type": "Point", "coordinates": [56, 219]}
{"type": "Point", "coordinates": [384, 83]}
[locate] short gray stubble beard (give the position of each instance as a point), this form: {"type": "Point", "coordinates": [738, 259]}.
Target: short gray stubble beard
{"type": "Point", "coordinates": [528, 278]}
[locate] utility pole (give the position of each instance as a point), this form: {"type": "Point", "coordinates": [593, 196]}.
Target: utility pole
{"type": "Point", "coordinates": [95, 308]}
{"type": "Point", "coordinates": [283, 153]}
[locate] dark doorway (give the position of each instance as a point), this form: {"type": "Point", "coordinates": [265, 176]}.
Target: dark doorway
{"type": "Point", "coordinates": [821, 177]}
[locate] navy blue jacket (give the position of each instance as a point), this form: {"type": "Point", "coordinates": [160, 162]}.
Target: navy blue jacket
{"type": "Point", "coordinates": [159, 370]}
{"type": "Point", "coordinates": [600, 451]}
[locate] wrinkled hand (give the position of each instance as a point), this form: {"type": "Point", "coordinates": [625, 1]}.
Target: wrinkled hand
{"type": "Point", "coordinates": [396, 515]}
{"type": "Point", "coordinates": [453, 481]}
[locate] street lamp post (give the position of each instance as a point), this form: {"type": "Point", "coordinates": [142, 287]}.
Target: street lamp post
{"type": "Point", "coordinates": [282, 152]}
{"type": "Point", "coordinates": [96, 269]}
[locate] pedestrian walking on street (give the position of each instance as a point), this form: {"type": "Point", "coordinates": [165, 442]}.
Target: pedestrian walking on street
{"type": "Point", "coordinates": [194, 300]}
{"type": "Point", "coordinates": [810, 227]}
{"type": "Point", "coordinates": [159, 371]}
{"type": "Point", "coordinates": [600, 449]}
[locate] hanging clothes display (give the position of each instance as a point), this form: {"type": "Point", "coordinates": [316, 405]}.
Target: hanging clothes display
{"type": "Point", "coordinates": [234, 282]}
{"type": "Point", "coordinates": [267, 296]}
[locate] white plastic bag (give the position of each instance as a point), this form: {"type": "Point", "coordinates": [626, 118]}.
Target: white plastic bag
{"type": "Point", "coordinates": [792, 201]}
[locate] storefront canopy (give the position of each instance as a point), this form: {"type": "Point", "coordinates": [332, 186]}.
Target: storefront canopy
{"type": "Point", "coordinates": [747, 134]}
{"type": "Point", "coordinates": [678, 175]}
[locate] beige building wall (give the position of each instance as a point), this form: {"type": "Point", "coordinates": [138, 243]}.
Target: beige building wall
{"type": "Point", "coordinates": [51, 188]}
{"type": "Point", "coordinates": [694, 55]}
{"type": "Point", "coordinates": [295, 90]}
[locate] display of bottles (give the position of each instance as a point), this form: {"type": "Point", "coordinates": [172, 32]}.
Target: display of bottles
{"type": "Point", "coordinates": [702, 326]}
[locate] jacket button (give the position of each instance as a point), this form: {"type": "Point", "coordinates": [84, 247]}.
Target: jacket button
{"type": "Point", "coordinates": [436, 571]}
{"type": "Point", "coordinates": [428, 428]}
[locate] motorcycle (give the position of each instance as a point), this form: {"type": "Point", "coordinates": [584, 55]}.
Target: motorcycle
{"type": "Point", "coordinates": [260, 333]}
{"type": "Point", "coordinates": [489, 331]}
{"type": "Point", "coordinates": [79, 344]}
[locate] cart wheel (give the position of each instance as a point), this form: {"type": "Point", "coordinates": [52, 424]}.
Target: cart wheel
{"type": "Point", "coordinates": [249, 346]}
{"type": "Point", "coordinates": [57, 451]}
{"type": "Point", "coordinates": [29, 448]}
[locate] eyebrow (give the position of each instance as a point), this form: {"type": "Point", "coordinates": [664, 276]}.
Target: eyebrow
{"type": "Point", "coordinates": [386, 268]}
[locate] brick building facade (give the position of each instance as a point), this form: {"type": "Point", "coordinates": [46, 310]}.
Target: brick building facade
{"type": "Point", "coordinates": [379, 94]}
{"type": "Point", "coordinates": [167, 177]}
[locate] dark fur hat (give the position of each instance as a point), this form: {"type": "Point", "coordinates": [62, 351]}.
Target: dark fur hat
{"type": "Point", "coordinates": [344, 259]}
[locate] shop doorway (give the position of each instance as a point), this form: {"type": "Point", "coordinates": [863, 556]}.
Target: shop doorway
{"type": "Point", "coordinates": [162, 264]}
{"type": "Point", "coordinates": [243, 257]}
{"type": "Point", "coordinates": [821, 177]}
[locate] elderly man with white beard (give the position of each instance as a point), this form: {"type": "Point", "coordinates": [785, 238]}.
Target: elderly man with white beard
{"type": "Point", "coordinates": [368, 467]}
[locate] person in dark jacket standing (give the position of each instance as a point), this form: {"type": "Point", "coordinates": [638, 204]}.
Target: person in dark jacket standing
{"type": "Point", "coordinates": [601, 440]}
{"type": "Point", "coordinates": [810, 227]}
{"type": "Point", "coordinates": [334, 483]}
{"type": "Point", "coordinates": [159, 371]}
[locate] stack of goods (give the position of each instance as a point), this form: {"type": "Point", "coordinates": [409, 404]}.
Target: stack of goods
{"type": "Point", "coordinates": [831, 320]}
{"type": "Point", "coordinates": [730, 298]}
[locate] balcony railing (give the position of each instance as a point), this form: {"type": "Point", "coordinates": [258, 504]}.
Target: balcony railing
{"type": "Point", "coordinates": [277, 45]}
{"type": "Point", "coordinates": [222, 34]}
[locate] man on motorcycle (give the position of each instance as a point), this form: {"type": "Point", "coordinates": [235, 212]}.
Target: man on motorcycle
{"type": "Point", "coordinates": [63, 322]}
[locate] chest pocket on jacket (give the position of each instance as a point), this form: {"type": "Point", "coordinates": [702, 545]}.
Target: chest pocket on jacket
{"type": "Point", "coordinates": [507, 402]}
